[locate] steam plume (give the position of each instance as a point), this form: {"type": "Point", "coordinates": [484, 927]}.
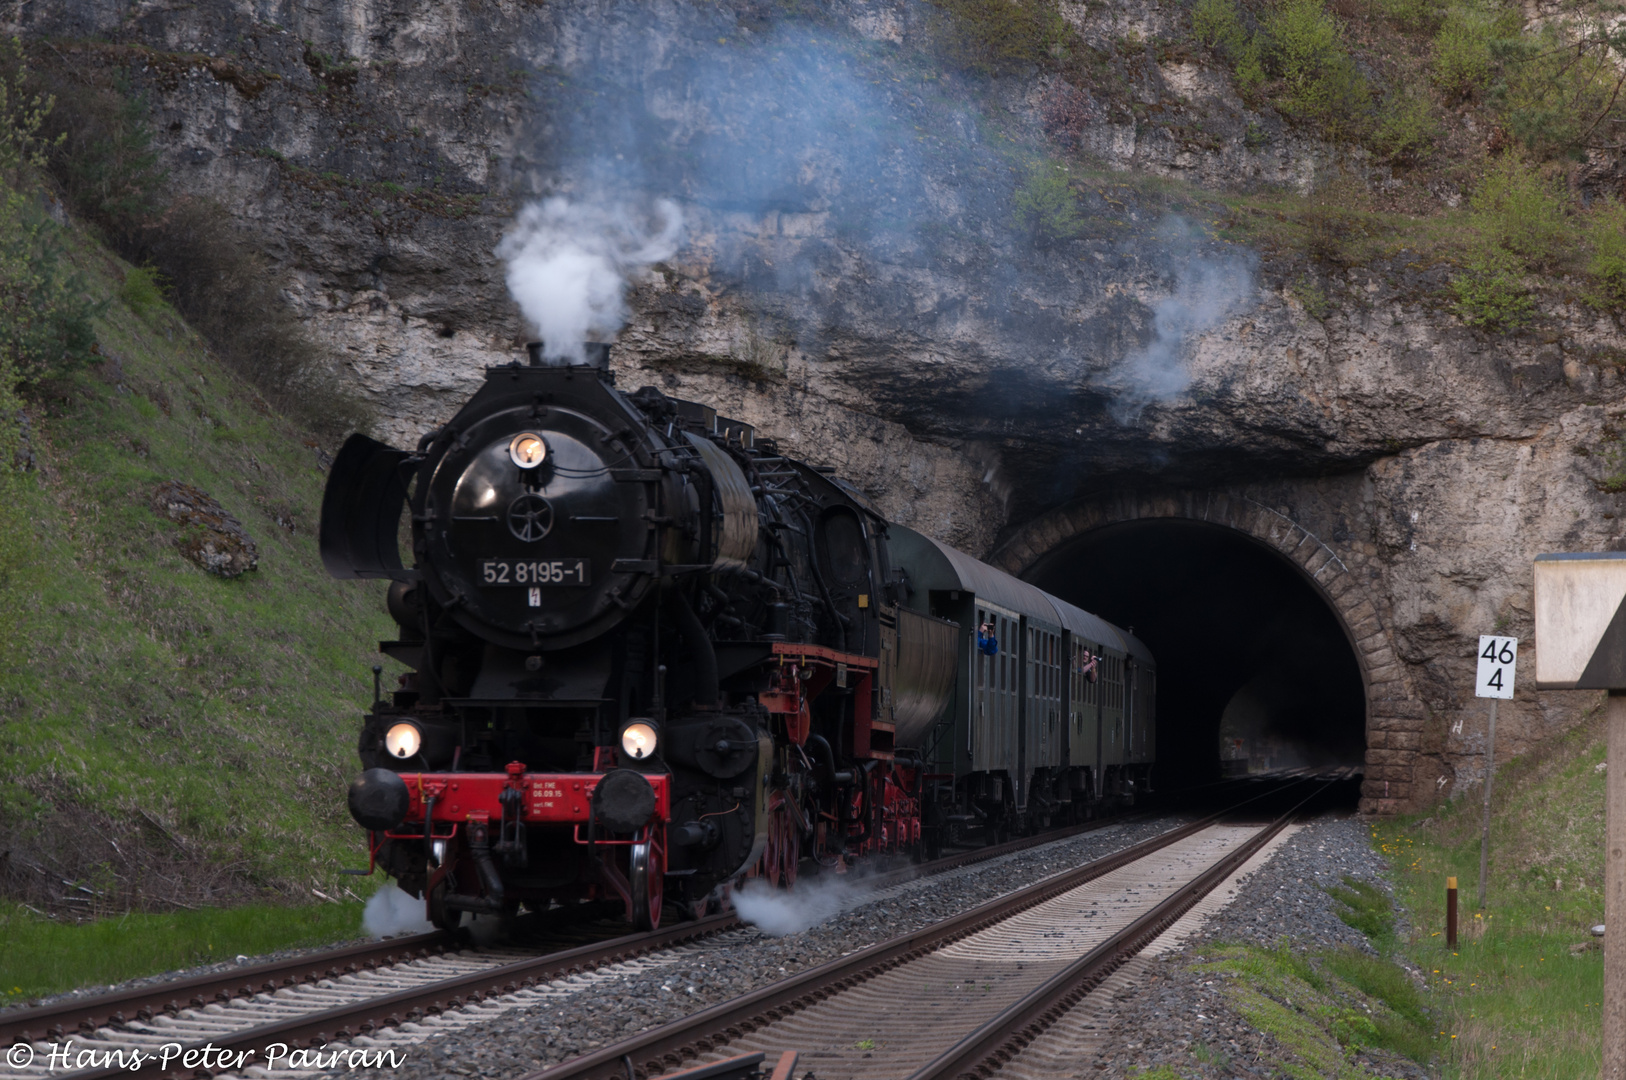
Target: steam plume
{"type": "Point", "coordinates": [1209, 287]}
{"type": "Point", "coordinates": [568, 264]}
{"type": "Point", "coordinates": [390, 912]}
{"type": "Point", "coordinates": [845, 195]}
{"type": "Point", "coordinates": [778, 912]}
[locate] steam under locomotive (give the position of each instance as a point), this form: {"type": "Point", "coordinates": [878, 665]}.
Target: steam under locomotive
{"type": "Point", "coordinates": [650, 653]}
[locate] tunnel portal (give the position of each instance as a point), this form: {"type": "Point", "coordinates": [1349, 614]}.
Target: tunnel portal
{"type": "Point", "coordinates": [1255, 670]}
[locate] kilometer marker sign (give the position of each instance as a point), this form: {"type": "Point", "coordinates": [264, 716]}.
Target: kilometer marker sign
{"type": "Point", "coordinates": [1497, 656]}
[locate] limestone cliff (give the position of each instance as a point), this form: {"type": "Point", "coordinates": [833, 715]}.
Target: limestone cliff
{"type": "Point", "coordinates": [987, 382]}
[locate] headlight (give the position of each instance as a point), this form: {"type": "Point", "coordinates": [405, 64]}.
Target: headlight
{"type": "Point", "coordinates": [403, 740]}
{"type": "Point", "coordinates": [528, 450]}
{"type": "Point", "coordinates": [638, 739]}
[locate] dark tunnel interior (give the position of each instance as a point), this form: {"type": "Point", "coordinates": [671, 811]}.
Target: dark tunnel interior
{"type": "Point", "coordinates": [1255, 672]}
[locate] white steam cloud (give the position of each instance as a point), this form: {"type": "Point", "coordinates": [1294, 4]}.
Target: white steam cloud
{"type": "Point", "coordinates": [777, 912]}
{"type": "Point", "coordinates": [568, 264]}
{"type": "Point", "coordinates": [1208, 289]}
{"type": "Point", "coordinates": [390, 912]}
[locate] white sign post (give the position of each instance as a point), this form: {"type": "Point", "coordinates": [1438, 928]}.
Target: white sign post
{"type": "Point", "coordinates": [1494, 680]}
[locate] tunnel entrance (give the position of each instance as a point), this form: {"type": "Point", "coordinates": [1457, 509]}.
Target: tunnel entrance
{"type": "Point", "coordinates": [1255, 670]}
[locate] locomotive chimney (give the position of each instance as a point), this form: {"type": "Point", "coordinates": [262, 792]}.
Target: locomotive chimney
{"type": "Point", "coordinates": [598, 354]}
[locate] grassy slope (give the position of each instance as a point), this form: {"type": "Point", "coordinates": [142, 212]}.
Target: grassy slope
{"type": "Point", "coordinates": [1516, 1000]}
{"type": "Point", "coordinates": [174, 739]}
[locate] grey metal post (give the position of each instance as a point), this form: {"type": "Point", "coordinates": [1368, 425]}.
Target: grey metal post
{"type": "Point", "coordinates": [1484, 830]}
{"type": "Point", "coordinates": [1614, 894]}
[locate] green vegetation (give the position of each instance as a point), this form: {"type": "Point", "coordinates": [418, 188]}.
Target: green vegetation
{"type": "Point", "coordinates": [43, 957]}
{"type": "Point", "coordinates": [1555, 89]}
{"type": "Point", "coordinates": [1219, 25]}
{"type": "Point", "coordinates": [1325, 1006]}
{"type": "Point", "coordinates": [143, 290]}
{"type": "Point", "coordinates": [1490, 291]}
{"type": "Point", "coordinates": [170, 740]}
{"type": "Point", "coordinates": [1404, 130]}
{"type": "Point", "coordinates": [1294, 54]}
{"type": "Point", "coordinates": [1337, 1012]}
{"type": "Point", "coordinates": [1606, 238]}
{"type": "Point", "coordinates": [45, 316]}
{"type": "Point", "coordinates": [1520, 994]}
{"type": "Point", "coordinates": [1452, 96]}
{"type": "Point", "coordinates": [1045, 204]}
{"type": "Point", "coordinates": [223, 710]}
{"type": "Point", "coordinates": [1519, 224]}
{"type": "Point", "coordinates": [1365, 907]}
{"type": "Point", "coordinates": [1319, 81]}
{"type": "Point", "coordinates": [996, 37]}
{"type": "Point", "coordinates": [1462, 51]}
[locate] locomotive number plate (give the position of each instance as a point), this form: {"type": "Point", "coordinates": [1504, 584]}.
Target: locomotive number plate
{"type": "Point", "coordinates": [523, 573]}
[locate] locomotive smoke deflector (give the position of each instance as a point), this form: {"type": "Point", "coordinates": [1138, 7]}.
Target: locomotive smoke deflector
{"type": "Point", "coordinates": [361, 512]}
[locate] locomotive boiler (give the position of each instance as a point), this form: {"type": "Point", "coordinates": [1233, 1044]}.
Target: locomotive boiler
{"type": "Point", "coordinates": [648, 653]}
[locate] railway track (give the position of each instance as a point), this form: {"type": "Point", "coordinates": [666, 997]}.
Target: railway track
{"type": "Point", "coordinates": [416, 983]}
{"type": "Point", "coordinates": [988, 982]}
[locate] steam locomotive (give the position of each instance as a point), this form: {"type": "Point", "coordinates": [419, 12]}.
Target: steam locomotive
{"type": "Point", "coordinates": [650, 653]}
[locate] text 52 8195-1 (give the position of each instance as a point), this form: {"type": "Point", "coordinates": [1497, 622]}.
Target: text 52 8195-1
{"type": "Point", "coordinates": [519, 572]}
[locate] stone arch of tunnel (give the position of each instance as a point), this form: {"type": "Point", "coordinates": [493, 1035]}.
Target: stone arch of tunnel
{"type": "Point", "coordinates": [1262, 632]}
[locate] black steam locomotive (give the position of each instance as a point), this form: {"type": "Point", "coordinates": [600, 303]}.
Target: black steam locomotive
{"type": "Point", "coordinates": [650, 653]}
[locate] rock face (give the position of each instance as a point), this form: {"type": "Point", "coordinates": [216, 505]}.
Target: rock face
{"type": "Point", "coordinates": [899, 303]}
{"type": "Point", "coordinates": [213, 538]}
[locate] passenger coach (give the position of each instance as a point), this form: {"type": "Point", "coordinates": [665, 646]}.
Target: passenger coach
{"type": "Point", "coordinates": [1055, 722]}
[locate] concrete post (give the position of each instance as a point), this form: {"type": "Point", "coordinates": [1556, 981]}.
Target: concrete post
{"type": "Point", "coordinates": [1614, 894]}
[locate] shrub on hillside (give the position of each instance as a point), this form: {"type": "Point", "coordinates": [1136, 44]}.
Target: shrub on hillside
{"type": "Point", "coordinates": [1320, 81]}
{"type": "Point", "coordinates": [1415, 16]}
{"type": "Point", "coordinates": [105, 164]}
{"type": "Point", "coordinates": [1518, 210]}
{"type": "Point", "coordinates": [1606, 236]}
{"type": "Point", "coordinates": [24, 138]}
{"type": "Point", "coordinates": [45, 316]}
{"type": "Point", "coordinates": [1404, 130]}
{"type": "Point", "coordinates": [1559, 93]}
{"type": "Point", "coordinates": [1519, 221]}
{"type": "Point", "coordinates": [997, 37]}
{"type": "Point", "coordinates": [143, 290]}
{"type": "Point", "coordinates": [1490, 291]}
{"type": "Point", "coordinates": [1221, 25]}
{"type": "Point", "coordinates": [1046, 206]}
{"type": "Point", "coordinates": [1462, 52]}
{"type": "Point", "coordinates": [1299, 46]}
{"type": "Point", "coordinates": [103, 157]}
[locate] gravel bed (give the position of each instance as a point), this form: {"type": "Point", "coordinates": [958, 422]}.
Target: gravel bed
{"type": "Point", "coordinates": [612, 1009]}
{"type": "Point", "coordinates": [1183, 1017]}
{"type": "Point", "coordinates": [1287, 896]}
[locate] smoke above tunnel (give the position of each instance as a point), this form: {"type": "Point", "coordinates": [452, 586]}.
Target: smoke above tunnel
{"type": "Point", "coordinates": [1210, 283]}
{"type": "Point", "coordinates": [842, 188]}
